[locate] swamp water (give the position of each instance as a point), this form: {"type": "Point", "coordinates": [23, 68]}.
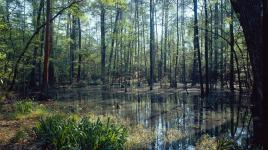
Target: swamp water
{"type": "Point", "coordinates": [177, 120]}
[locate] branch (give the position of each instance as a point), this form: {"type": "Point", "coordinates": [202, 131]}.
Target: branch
{"type": "Point", "coordinates": [32, 37]}
{"type": "Point", "coordinates": [226, 40]}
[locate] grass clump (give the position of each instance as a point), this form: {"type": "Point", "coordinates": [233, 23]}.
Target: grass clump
{"type": "Point", "coordinates": [24, 107]}
{"type": "Point", "coordinates": [220, 143]}
{"type": "Point", "coordinates": [28, 109]}
{"type": "Point", "coordinates": [59, 132]}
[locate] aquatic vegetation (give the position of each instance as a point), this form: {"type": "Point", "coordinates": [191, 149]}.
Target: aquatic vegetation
{"type": "Point", "coordinates": [139, 137]}
{"type": "Point", "coordinates": [206, 143]}
{"type": "Point", "coordinates": [226, 143]}
{"type": "Point", "coordinates": [60, 132]}
{"type": "Point", "coordinates": [220, 143]}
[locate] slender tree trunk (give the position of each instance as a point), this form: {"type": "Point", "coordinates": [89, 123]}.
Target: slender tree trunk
{"type": "Point", "coordinates": [177, 52]}
{"type": "Point", "coordinates": [79, 47]}
{"type": "Point", "coordinates": [160, 68]}
{"type": "Point", "coordinates": [36, 47]}
{"type": "Point", "coordinates": [47, 46]}
{"type": "Point", "coordinates": [51, 76]}
{"type": "Point", "coordinates": [232, 52]}
{"type": "Point", "coordinates": [114, 38]}
{"type": "Point", "coordinates": [238, 72]}
{"type": "Point", "coordinates": [206, 47]}
{"type": "Point", "coordinates": [222, 46]}
{"type": "Point", "coordinates": [216, 48]}
{"type": "Point", "coordinates": [73, 46]}
{"type": "Point", "coordinates": [103, 46]}
{"type": "Point", "coordinates": [197, 47]}
{"type": "Point", "coordinates": [183, 47]}
{"type": "Point", "coordinates": [166, 3]}
{"type": "Point", "coordinates": [152, 44]}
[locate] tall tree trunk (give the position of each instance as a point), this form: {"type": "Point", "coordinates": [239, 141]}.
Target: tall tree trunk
{"type": "Point", "coordinates": [73, 46]}
{"type": "Point", "coordinates": [222, 45]}
{"type": "Point", "coordinates": [251, 18]}
{"type": "Point", "coordinates": [197, 48]}
{"type": "Point", "coordinates": [114, 38]}
{"type": "Point", "coordinates": [51, 76]}
{"type": "Point", "coordinates": [160, 68]}
{"type": "Point", "coordinates": [166, 5]}
{"type": "Point", "coordinates": [177, 50]}
{"type": "Point", "coordinates": [47, 45]}
{"type": "Point", "coordinates": [36, 47]}
{"type": "Point", "coordinates": [79, 47]}
{"type": "Point", "coordinates": [103, 46]}
{"type": "Point", "coordinates": [206, 47]}
{"type": "Point", "coordinates": [152, 44]}
{"type": "Point", "coordinates": [232, 52]}
{"type": "Point", "coordinates": [216, 47]}
{"type": "Point", "coordinates": [183, 47]}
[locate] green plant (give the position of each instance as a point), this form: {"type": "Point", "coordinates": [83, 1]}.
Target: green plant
{"type": "Point", "coordinates": [226, 143]}
{"type": "Point", "coordinates": [20, 135]}
{"type": "Point", "coordinates": [59, 132]}
{"type": "Point", "coordinates": [24, 106]}
{"type": "Point", "coordinates": [220, 143]}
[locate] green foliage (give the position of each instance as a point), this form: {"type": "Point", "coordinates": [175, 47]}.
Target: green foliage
{"type": "Point", "coordinates": [59, 132]}
{"type": "Point", "coordinates": [225, 143]}
{"type": "Point", "coordinates": [221, 143]}
{"type": "Point", "coordinates": [24, 107]}
{"type": "Point", "coordinates": [20, 135]}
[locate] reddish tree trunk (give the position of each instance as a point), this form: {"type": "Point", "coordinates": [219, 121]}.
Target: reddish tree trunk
{"type": "Point", "coordinates": [47, 46]}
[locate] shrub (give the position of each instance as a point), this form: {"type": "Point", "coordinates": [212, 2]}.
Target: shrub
{"type": "Point", "coordinates": [58, 132]}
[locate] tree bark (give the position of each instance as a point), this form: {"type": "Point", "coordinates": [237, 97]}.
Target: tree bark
{"type": "Point", "coordinates": [47, 45]}
{"type": "Point", "coordinates": [197, 48]}
{"type": "Point", "coordinates": [152, 44]}
{"type": "Point", "coordinates": [250, 14]}
{"type": "Point", "coordinates": [103, 46]}
{"type": "Point", "coordinates": [232, 52]}
{"type": "Point", "coordinates": [79, 47]}
{"type": "Point", "coordinates": [206, 47]}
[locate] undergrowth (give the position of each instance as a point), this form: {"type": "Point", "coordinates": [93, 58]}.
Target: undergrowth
{"type": "Point", "coordinates": [220, 143]}
{"type": "Point", "coordinates": [60, 132]}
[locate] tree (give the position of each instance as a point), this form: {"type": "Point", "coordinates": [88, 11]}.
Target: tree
{"type": "Point", "coordinates": [152, 45]}
{"type": "Point", "coordinates": [206, 47]}
{"type": "Point", "coordinates": [37, 22]}
{"type": "Point", "coordinates": [251, 19]}
{"type": "Point", "coordinates": [232, 53]}
{"type": "Point", "coordinates": [216, 39]}
{"type": "Point", "coordinates": [183, 46]}
{"type": "Point", "coordinates": [79, 47]}
{"type": "Point", "coordinates": [73, 46]}
{"type": "Point", "coordinates": [48, 45]}
{"type": "Point", "coordinates": [103, 47]}
{"type": "Point", "coordinates": [197, 49]}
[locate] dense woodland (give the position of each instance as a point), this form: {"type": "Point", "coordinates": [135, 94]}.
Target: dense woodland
{"type": "Point", "coordinates": [112, 42]}
{"type": "Point", "coordinates": [212, 45]}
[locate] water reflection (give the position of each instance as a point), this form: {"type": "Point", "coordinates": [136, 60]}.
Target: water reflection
{"type": "Point", "coordinates": [189, 115]}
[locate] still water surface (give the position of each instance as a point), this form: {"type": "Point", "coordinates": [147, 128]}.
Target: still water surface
{"type": "Point", "coordinates": [219, 114]}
